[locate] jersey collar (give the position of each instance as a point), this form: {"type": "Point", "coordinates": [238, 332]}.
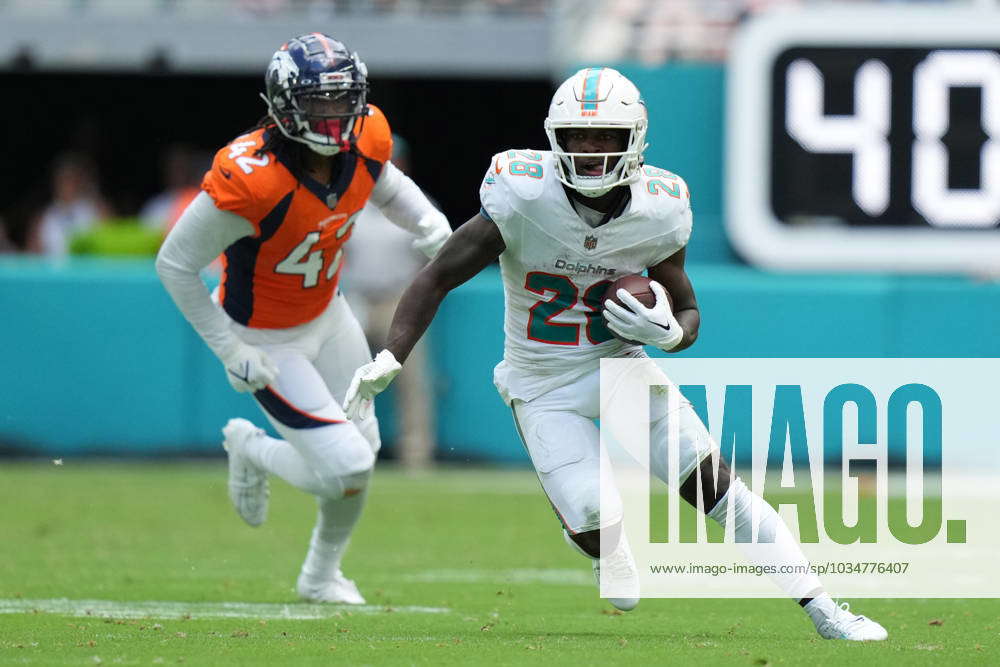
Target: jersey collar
{"type": "Point", "coordinates": [344, 165]}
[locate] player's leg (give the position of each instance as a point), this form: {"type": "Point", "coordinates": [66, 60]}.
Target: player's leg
{"type": "Point", "coordinates": [297, 404]}
{"type": "Point", "coordinates": [564, 447]}
{"type": "Point", "coordinates": [320, 453]}
{"type": "Point", "coordinates": [343, 350]}
{"type": "Point", "coordinates": [725, 498]}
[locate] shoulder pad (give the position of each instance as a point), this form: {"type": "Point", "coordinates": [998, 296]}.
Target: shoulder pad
{"type": "Point", "coordinates": [375, 140]}
{"type": "Point", "coordinates": [243, 182]}
{"type": "Point", "coordinates": [522, 173]}
{"type": "Point", "coordinates": [665, 198]}
{"type": "Point", "coordinates": [666, 190]}
{"type": "Point", "coordinates": [513, 176]}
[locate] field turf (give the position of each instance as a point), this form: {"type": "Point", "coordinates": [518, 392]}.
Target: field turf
{"type": "Point", "coordinates": [460, 566]}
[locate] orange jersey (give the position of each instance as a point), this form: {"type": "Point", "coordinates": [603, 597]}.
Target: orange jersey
{"type": "Point", "coordinates": [287, 272]}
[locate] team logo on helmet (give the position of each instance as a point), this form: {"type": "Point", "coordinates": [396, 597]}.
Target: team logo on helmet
{"type": "Point", "coordinates": [283, 68]}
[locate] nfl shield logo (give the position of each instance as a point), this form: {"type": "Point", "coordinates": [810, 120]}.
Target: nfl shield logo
{"type": "Point", "coordinates": [331, 200]}
{"type": "Point", "coordinates": [590, 242]}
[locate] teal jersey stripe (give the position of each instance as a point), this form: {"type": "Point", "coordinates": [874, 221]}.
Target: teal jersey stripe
{"type": "Point", "coordinates": [590, 89]}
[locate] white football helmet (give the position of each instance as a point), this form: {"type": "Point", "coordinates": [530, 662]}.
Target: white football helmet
{"type": "Point", "coordinates": [598, 97]}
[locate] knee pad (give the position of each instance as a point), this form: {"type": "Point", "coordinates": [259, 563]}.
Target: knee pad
{"type": "Point", "coordinates": [585, 499]}
{"type": "Point", "coordinates": [694, 443]}
{"type": "Point", "coordinates": [343, 486]}
{"type": "Point", "coordinates": [347, 469]}
{"type": "Point", "coordinates": [576, 497]}
{"type": "Point", "coordinates": [355, 483]}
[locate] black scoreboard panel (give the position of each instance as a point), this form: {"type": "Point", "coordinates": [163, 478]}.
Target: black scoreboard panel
{"type": "Point", "coordinates": [866, 137]}
{"type": "Point", "coordinates": [882, 136]}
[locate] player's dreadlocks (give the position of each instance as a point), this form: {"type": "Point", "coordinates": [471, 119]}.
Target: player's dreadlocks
{"type": "Point", "coordinates": [275, 141]}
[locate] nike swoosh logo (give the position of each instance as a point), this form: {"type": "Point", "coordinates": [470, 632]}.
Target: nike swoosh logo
{"type": "Point", "coordinates": [246, 372]}
{"type": "Point", "coordinates": [226, 172]}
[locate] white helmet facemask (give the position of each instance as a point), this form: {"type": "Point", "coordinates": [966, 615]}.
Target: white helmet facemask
{"type": "Point", "coordinates": [597, 98]}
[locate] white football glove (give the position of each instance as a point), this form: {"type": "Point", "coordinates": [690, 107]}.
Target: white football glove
{"type": "Point", "coordinates": [369, 381]}
{"type": "Point", "coordinates": [654, 326]}
{"type": "Point", "coordinates": [248, 368]}
{"type": "Point", "coordinates": [434, 230]}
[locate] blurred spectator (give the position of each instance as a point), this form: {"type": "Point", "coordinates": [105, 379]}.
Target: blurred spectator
{"type": "Point", "coordinates": [76, 205]}
{"type": "Point", "coordinates": [380, 264]}
{"type": "Point", "coordinates": [183, 168]}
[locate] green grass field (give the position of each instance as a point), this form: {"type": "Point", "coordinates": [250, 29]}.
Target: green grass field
{"type": "Point", "coordinates": [460, 566]}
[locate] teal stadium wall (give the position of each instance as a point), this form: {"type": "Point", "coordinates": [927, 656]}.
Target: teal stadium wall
{"type": "Point", "coordinates": [95, 358]}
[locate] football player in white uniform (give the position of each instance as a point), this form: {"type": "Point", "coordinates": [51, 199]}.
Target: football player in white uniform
{"type": "Point", "coordinates": [565, 223]}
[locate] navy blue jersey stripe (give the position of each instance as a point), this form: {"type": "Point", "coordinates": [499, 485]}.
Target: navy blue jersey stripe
{"type": "Point", "coordinates": [288, 414]}
{"type": "Point", "coordinates": [374, 168]}
{"type": "Point", "coordinates": [241, 262]}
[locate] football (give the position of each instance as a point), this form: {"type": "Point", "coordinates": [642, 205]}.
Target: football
{"type": "Point", "coordinates": [637, 286]}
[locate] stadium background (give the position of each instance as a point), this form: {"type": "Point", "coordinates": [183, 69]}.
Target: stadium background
{"type": "Point", "coordinates": [96, 359]}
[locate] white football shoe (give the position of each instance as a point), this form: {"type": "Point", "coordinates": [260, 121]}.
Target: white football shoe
{"type": "Point", "coordinates": [620, 576]}
{"type": "Point", "coordinates": [835, 621]}
{"type": "Point", "coordinates": [339, 590]}
{"type": "Point", "coordinates": [247, 483]}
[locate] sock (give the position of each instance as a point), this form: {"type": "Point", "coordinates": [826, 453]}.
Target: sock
{"type": "Point", "coordinates": [820, 608]}
{"type": "Point", "coordinates": [775, 544]}
{"type": "Point", "coordinates": [331, 535]}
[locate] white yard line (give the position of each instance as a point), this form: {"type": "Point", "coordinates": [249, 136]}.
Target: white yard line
{"type": "Point", "coordinates": [564, 577]}
{"type": "Point", "coordinates": [201, 610]}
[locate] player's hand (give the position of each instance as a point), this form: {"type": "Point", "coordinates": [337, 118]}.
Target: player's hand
{"type": "Point", "coordinates": [369, 381]}
{"type": "Point", "coordinates": [248, 368]}
{"type": "Point", "coordinates": [435, 232]}
{"type": "Point", "coordinates": [655, 326]}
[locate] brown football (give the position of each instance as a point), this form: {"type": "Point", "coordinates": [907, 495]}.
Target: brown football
{"type": "Point", "coordinates": [637, 286]}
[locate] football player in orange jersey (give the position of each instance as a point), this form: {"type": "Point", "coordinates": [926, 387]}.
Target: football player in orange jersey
{"type": "Point", "coordinates": [279, 203]}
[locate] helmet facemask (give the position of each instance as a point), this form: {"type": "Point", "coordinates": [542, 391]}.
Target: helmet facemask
{"type": "Point", "coordinates": [615, 168]}
{"type": "Point", "coordinates": [597, 98]}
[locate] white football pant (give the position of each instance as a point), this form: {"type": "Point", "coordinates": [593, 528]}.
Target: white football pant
{"type": "Point", "coordinates": [327, 455]}
{"type": "Point", "coordinates": [560, 435]}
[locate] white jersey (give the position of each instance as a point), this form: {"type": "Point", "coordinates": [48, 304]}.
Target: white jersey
{"type": "Point", "coordinates": [556, 267]}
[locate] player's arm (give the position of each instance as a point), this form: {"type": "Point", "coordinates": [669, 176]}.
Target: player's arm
{"type": "Point", "coordinates": [671, 274]}
{"type": "Point", "coordinates": [405, 205]}
{"type": "Point", "coordinates": [470, 249]}
{"type": "Point", "coordinates": [201, 234]}
{"type": "Point", "coordinates": [475, 245]}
